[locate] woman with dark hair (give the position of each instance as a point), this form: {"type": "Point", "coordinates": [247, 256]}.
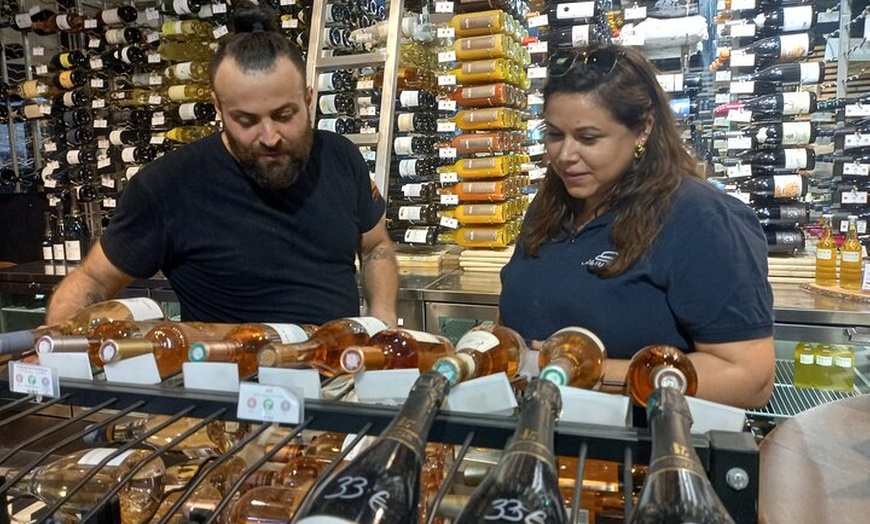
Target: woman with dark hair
{"type": "Point", "coordinates": [624, 239]}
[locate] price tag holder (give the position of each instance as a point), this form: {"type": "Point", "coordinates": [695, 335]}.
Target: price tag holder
{"type": "Point", "coordinates": [444, 7]}
{"type": "Point", "coordinates": [489, 394]}
{"type": "Point", "coordinates": [742, 88]}
{"type": "Point", "coordinates": [155, 100]}
{"type": "Point", "coordinates": [266, 403]}
{"type": "Point", "coordinates": [290, 23]}
{"type": "Point", "coordinates": [94, 43]}
{"type": "Point", "coordinates": [68, 365]}
{"type": "Point", "coordinates": [213, 376]}
{"type": "Point", "coordinates": [157, 140]}
{"type": "Point", "coordinates": [742, 60]}
{"type": "Point", "coordinates": [389, 386]}
{"type": "Point", "coordinates": [141, 369]}
{"type": "Point", "coordinates": [98, 103]}
{"type": "Point", "coordinates": [635, 13]}
{"type": "Point", "coordinates": [365, 85]}
{"type": "Point", "coordinates": [449, 200]}
{"type": "Point", "coordinates": [855, 169]}
{"type": "Point", "coordinates": [31, 379]}
{"type": "Point", "coordinates": [368, 111]}
{"type": "Point", "coordinates": [449, 223]}
{"type": "Point", "coordinates": [853, 197]}
{"type": "Point", "coordinates": [592, 407]}
{"type": "Point", "coordinates": [306, 381]}
{"type": "Point", "coordinates": [723, 76]}
{"type": "Point", "coordinates": [110, 203]}
{"type": "Point", "coordinates": [743, 30]}
{"type": "Point", "coordinates": [537, 72]}
{"type": "Point", "coordinates": [539, 21]}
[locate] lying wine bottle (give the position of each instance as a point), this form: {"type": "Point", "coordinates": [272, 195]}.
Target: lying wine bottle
{"type": "Point", "coordinates": [382, 484]}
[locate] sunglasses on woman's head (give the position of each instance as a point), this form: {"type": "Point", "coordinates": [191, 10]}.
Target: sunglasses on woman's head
{"type": "Point", "coordinates": [598, 61]}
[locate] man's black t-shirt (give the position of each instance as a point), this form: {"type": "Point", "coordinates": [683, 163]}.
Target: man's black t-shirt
{"type": "Point", "coordinates": [235, 252]}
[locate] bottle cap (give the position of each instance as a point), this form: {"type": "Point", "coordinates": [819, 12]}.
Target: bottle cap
{"type": "Point", "coordinates": [68, 344]}
{"type": "Point", "coordinates": [554, 374]}
{"type": "Point", "coordinates": [357, 358]}
{"type": "Point", "coordinates": [667, 399]}
{"type": "Point", "coordinates": [215, 351]}
{"type": "Point", "coordinates": [114, 350]}
{"type": "Point", "coordinates": [268, 357]}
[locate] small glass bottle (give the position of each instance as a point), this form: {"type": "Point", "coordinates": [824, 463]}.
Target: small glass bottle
{"type": "Point", "coordinates": [484, 350]}
{"type": "Point", "coordinates": [658, 366]}
{"type": "Point", "coordinates": [573, 356]}
{"type": "Point", "coordinates": [804, 359]}
{"type": "Point", "coordinates": [843, 369]}
{"type": "Point", "coordinates": [823, 361]}
{"type": "Point", "coordinates": [396, 349]}
{"type": "Point", "coordinates": [826, 254]}
{"type": "Point", "coordinates": [852, 257]}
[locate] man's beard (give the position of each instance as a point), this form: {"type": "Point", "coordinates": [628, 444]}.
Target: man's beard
{"type": "Point", "coordinates": [274, 175]}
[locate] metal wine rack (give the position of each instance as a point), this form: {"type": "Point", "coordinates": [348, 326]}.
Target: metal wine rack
{"type": "Point", "coordinates": [730, 458]}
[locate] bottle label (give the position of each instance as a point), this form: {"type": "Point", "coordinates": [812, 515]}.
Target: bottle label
{"type": "Point", "coordinates": [324, 519]}
{"type": "Point", "coordinates": [479, 66]}
{"type": "Point", "coordinates": [324, 82]}
{"type": "Point", "coordinates": [798, 18]}
{"type": "Point", "coordinates": [566, 11]}
{"type": "Point", "coordinates": [181, 7]}
{"type": "Point", "coordinates": [372, 325]}
{"type": "Point", "coordinates": [485, 92]}
{"type": "Point", "coordinates": [479, 20]}
{"type": "Point", "coordinates": [68, 99]}
{"type": "Point", "coordinates": [580, 35]}
{"type": "Point", "coordinates": [327, 124]}
{"type": "Point", "coordinates": [63, 22]}
{"type": "Point", "coordinates": [72, 157]}
{"type": "Point", "coordinates": [115, 137]}
{"type": "Point", "coordinates": [480, 341]}
{"type": "Point", "coordinates": [416, 235]}
{"type": "Point", "coordinates": [480, 210]}
{"type": "Point", "coordinates": [182, 71]}
{"type": "Point", "coordinates": [471, 144]}
{"type": "Point", "coordinates": [479, 163]}
{"type": "Point", "coordinates": [412, 190]}
{"type": "Point", "coordinates": [73, 250]}
{"type": "Point", "coordinates": [57, 249]}
{"type": "Point", "coordinates": [65, 80]}
{"type": "Point", "coordinates": [405, 122]}
{"type": "Point", "coordinates": [173, 28]}
{"type": "Point", "coordinates": [187, 111]}
{"type": "Point", "coordinates": [824, 254]}
{"type": "Point", "coordinates": [824, 360]}
{"type": "Point", "coordinates": [853, 257]}
{"type": "Point", "coordinates": [489, 42]}
{"type": "Point", "coordinates": [110, 17]}
{"type": "Point", "coordinates": [806, 359]}
{"type": "Point", "coordinates": [403, 145]}
{"type": "Point", "coordinates": [47, 253]}
{"type": "Point", "coordinates": [142, 308]}
{"type": "Point", "coordinates": [289, 333]}
{"type": "Point", "coordinates": [483, 115]}
{"type": "Point", "coordinates": [115, 37]}
{"type": "Point", "coordinates": [128, 155]}
{"type": "Point", "coordinates": [796, 133]}
{"type": "Point", "coordinates": [787, 186]}
{"type": "Point", "coordinates": [95, 456]}
{"type": "Point", "coordinates": [810, 72]}
{"type": "Point", "coordinates": [422, 336]}
{"type": "Point", "coordinates": [481, 235]}
{"type": "Point", "coordinates": [327, 104]}
{"type": "Point", "coordinates": [409, 98]}
{"type": "Point", "coordinates": [408, 167]}
{"type": "Point", "coordinates": [23, 20]}
{"type": "Point", "coordinates": [795, 158]}
{"type": "Point", "coordinates": [479, 187]}
{"type": "Point", "coordinates": [843, 361]}
{"type": "Point", "coordinates": [794, 46]}
{"type": "Point", "coordinates": [410, 213]}
{"type": "Point", "coordinates": [177, 92]}
{"type": "Point", "coordinates": [796, 103]}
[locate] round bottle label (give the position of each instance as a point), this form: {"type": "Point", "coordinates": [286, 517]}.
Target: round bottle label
{"type": "Point", "coordinates": [797, 18]}
{"type": "Point", "coordinates": [324, 82]}
{"type": "Point", "coordinates": [115, 137]}
{"type": "Point", "coordinates": [115, 37]}
{"type": "Point", "coordinates": [187, 111]}
{"type": "Point", "coordinates": [128, 155]}
{"type": "Point", "coordinates": [405, 122]}
{"type": "Point", "coordinates": [177, 92]}
{"type": "Point", "coordinates": [795, 158]}
{"type": "Point", "coordinates": [412, 190]}
{"type": "Point", "coordinates": [480, 341]}
{"type": "Point", "coordinates": [409, 98]}
{"type": "Point", "coordinates": [479, 163]}
{"type": "Point", "coordinates": [410, 213]}
{"type": "Point", "coordinates": [181, 7]}
{"type": "Point", "coordinates": [810, 72]}
{"type": "Point", "coordinates": [408, 167]}
{"type": "Point", "coordinates": [327, 104]}
{"type": "Point", "coordinates": [669, 377]}
{"type": "Point", "coordinates": [63, 22]}
{"type": "Point", "coordinates": [65, 79]}
{"type": "Point", "coordinates": [796, 133]}
{"type": "Point", "coordinates": [403, 145]}
{"type": "Point", "coordinates": [68, 99]}
{"type": "Point", "coordinates": [110, 17]}
{"type": "Point", "coordinates": [182, 71]}
{"type": "Point", "coordinates": [787, 186]}
{"type": "Point", "coordinates": [327, 124]}
{"type": "Point", "coordinates": [23, 20]}
{"type": "Point", "coordinates": [72, 157]}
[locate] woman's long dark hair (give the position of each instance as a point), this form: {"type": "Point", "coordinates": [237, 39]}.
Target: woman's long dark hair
{"type": "Point", "coordinates": [640, 199]}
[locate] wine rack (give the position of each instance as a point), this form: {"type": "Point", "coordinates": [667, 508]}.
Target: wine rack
{"type": "Point", "coordinates": [730, 459]}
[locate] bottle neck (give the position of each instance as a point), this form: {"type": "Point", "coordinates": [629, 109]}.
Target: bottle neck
{"type": "Point", "coordinates": [672, 446]}
{"type": "Point", "coordinates": [534, 433]}
{"type": "Point", "coordinates": [411, 425]}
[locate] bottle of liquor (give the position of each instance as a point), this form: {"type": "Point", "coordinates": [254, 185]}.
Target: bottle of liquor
{"type": "Point", "coordinates": [826, 254]}
{"type": "Point", "coordinates": [416, 169]}
{"type": "Point", "coordinates": [76, 117]}
{"type": "Point", "coordinates": [851, 257]}
{"type": "Point", "coordinates": [843, 370]}
{"type": "Point", "coordinates": [245, 340]}
{"type": "Point", "coordinates": [785, 20]}
{"type": "Point", "coordinates": [396, 349]}
{"type": "Point", "coordinates": [79, 136]}
{"type": "Point", "coordinates": [780, 48]}
{"type": "Point", "coordinates": [491, 95]}
{"type": "Point", "coordinates": [123, 36]}
{"type": "Point", "coordinates": [481, 190]}
{"type": "Point", "coordinates": [779, 133]}
{"type": "Point", "coordinates": [478, 236]}
{"type": "Point", "coordinates": [185, 114]}
{"type": "Point", "coordinates": [186, 30]}
{"type": "Point", "coordinates": [478, 214]}
{"type": "Point", "coordinates": [59, 234]}
{"type": "Point", "coordinates": [382, 484]}
{"type": "Point", "coordinates": [571, 13]}
{"type": "Point", "coordinates": [414, 213]}
{"type": "Point", "coordinates": [573, 356]}
{"type": "Point", "coordinates": [408, 100]}
{"type": "Point", "coordinates": [784, 214]}
{"type": "Point", "coordinates": [69, 60]}
{"type": "Point", "coordinates": [339, 80]}
{"type": "Point", "coordinates": [767, 160]}
{"type": "Point", "coordinates": [128, 137]}
{"type": "Point", "coordinates": [782, 104]}
{"type": "Point", "coordinates": [481, 23]}
{"type": "Point", "coordinates": [187, 72]}
{"type": "Point", "coordinates": [787, 241]}
{"type": "Point", "coordinates": [169, 342]}
{"type": "Point", "coordinates": [186, 93]}
{"type": "Point", "coordinates": [185, 51]}
{"type": "Point", "coordinates": [77, 237]}
{"type": "Point", "coordinates": [484, 167]}
{"type": "Point", "coordinates": [414, 145]}
{"type": "Point", "coordinates": [804, 359]}
{"type": "Point", "coordinates": [524, 487]}
{"type": "Point", "coordinates": [659, 366]}
{"type": "Point", "coordinates": [139, 497]}
{"type": "Point", "coordinates": [406, 78]}
{"type": "Point", "coordinates": [486, 71]}
{"type": "Point", "coordinates": [217, 436]}
{"type": "Point", "coordinates": [677, 488]}
{"type": "Point", "coordinates": [420, 235]}
{"type": "Point", "coordinates": [417, 122]}
{"type": "Point", "coordinates": [47, 240]}
{"type": "Point", "coordinates": [323, 349]}
{"type": "Point", "coordinates": [340, 125]}
{"type": "Point", "coordinates": [422, 192]}
{"type": "Point", "coordinates": [73, 98]}
{"type": "Point", "coordinates": [110, 329]}
{"type": "Point", "coordinates": [125, 14]}
{"type": "Point", "coordinates": [180, 7]}
{"type": "Point", "coordinates": [133, 155]}
{"type": "Point", "coordinates": [774, 186]}
{"type": "Point", "coordinates": [823, 360]}
{"type": "Point", "coordinates": [484, 350]}
{"type": "Point", "coordinates": [336, 104]}
{"type": "Point", "coordinates": [805, 73]}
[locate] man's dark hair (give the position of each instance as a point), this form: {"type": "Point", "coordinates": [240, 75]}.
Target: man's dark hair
{"type": "Point", "coordinates": [256, 42]}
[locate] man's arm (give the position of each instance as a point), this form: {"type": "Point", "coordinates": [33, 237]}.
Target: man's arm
{"type": "Point", "coordinates": [380, 273]}
{"type": "Point", "coordinates": [96, 279]}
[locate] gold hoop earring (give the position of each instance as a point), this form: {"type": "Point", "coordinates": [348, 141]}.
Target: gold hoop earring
{"type": "Point", "coordinates": [639, 150]}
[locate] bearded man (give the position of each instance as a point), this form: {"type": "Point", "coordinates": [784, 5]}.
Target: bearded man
{"type": "Point", "coordinates": [260, 222]}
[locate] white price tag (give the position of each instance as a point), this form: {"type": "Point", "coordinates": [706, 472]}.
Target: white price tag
{"type": "Point", "coordinates": [214, 376]}
{"type": "Point", "coordinates": [101, 124]}
{"type": "Point", "coordinates": [446, 80]}
{"type": "Point", "coordinates": [137, 370]}
{"type": "Point", "coordinates": [743, 30]}
{"type": "Point", "coordinates": [289, 23]}
{"type": "Point", "coordinates": [722, 98]}
{"type": "Point", "coordinates": [855, 169]}
{"type": "Point", "coordinates": [739, 171]}
{"type": "Point", "coordinates": [157, 119]}
{"type": "Point", "coordinates": [221, 8]}
{"type": "Point", "coordinates": [90, 23]}
{"type": "Point", "coordinates": [131, 172]}
{"type": "Point", "coordinates": [537, 72]}
{"type": "Point", "coordinates": [539, 21]}
{"type": "Point", "coordinates": [94, 43]}
{"type": "Point", "coordinates": [103, 143]}
{"type": "Point", "coordinates": [157, 139]}
{"type": "Point", "coordinates": [858, 110]}
{"type": "Point", "coordinates": [153, 58]}
{"type": "Point", "coordinates": [152, 37]}
{"type": "Point", "coordinates": [39, 51]}
{"type": "Point", "coordinates": [450, 223]}
{"type": "Point", "coordinates": [740, 142]}
{"type": "Point", "coordinates": [388, 386]}
{"type": "Point", "coordinates": [365, 85]}
{"type": "Point", "coordinates": [269, 404]}
{"type": "Point", "coordinates": [103, 162]}
{"type": "Point", "coordinates": [443, 7]}
{"type": "Point", "coordinates": [306, 381]}
{"type": "Point", "coordinates": [41, 69]}
{"type": "Point", "coordinates": [740, 115]}
{"type": "Point", "coordinates": [537, 48]}
{"type": "Point", "coordinates": [155, 80]}
{"type": "Point", "coordinates": [68, 365]}
{"type": "Point", "coordinates": [535, 99]}
{"type": "Point", "coordinates": [151, 13]}
{"type": "Point", "coordinates": [287, 2]}
{"type": "Point", "coordinates": [98, 103]}
{"type": "Point", "coordinates": [853, 197]}
{"type": "Point", "coordinates": [742, 60]}
{"type": "Point", "coordinates": [110, 203]}
{"type": "Point", "coordinates": [49, 147]}
{"type": "Point", "coordinates": [448, 177]}
{"type": "Point", "coordinates": [742, 88]}
{"type": "Point", "coordinates": [447, 152]}
{"type": "Point", "coordinates": [635, 13]}
{"type": "Point", "coordinates": [155, 100]}
{"type": "Point", "coordinates": [536, 149]}
{"type": "Point", "coordinates": [723, 76]}
{"type": "Point", "coordinates": [856, 140]}
{"type": "Point", "coordinates": [446, 105]}
{"type": "Point", "coordinates": [33, 380]}
{"type": "Point", "coordinates": [446, 32]}
{"type": "Point", "coordinates": [446, 56]}
{"type": "Point", "coordinates": [449, 200]}
{"type": "Point", "coordinates": [107, 181]}
{"type": "Point", "coordinates": [489, 394]}
{"type": "Point", "coordinates": [368, 111]}
{"type": "Point", "coordinates": [446, 127]}
{"type": "Point", "coordinates": [96, 63]}
{"type": "Point", "coordinates": [98, 83]}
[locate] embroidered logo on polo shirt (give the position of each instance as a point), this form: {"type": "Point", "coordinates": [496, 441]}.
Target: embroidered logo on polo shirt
{"type": "Point", "coordinates": [601, 260]}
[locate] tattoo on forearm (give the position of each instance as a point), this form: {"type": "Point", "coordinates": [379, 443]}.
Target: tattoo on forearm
{"type": "Point", "coordinates": [380, 253]}
{"type": "Point", "coordinates": [93, 298]}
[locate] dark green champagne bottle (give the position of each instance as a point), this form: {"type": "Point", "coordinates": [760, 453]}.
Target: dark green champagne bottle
{"type": "Point", "coordinates": [677, 489]}
{"type": "Point", "coordinates": [382, 484]}
{"type": "Point", "coordinates": [524, 487]}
